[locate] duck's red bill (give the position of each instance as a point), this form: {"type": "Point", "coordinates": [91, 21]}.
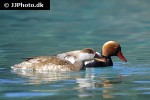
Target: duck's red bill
{"type": "Point", "coordinates": [120, 55]}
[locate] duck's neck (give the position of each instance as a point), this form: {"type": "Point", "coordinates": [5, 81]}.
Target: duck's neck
{"type": "Point", "coordinates": [106, 60]}
{"type": "Point", "coordinates": [109, 61]}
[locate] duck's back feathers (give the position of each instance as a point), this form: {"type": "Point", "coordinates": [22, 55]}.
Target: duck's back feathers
{"type": "Point", "coordinates": [46, 63]}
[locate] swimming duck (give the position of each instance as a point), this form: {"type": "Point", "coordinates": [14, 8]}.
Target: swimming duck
{"type": "Point", "coordinates": [53, 63]}
{"type": "Point", "coordinates": [110, 48]}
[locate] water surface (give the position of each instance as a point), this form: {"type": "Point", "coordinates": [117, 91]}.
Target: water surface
{"type": "Point", "coordinates": [71, 25]}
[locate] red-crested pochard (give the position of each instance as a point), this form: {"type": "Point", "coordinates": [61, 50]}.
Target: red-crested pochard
{"type": "Point", "coordinates": [110, 48]}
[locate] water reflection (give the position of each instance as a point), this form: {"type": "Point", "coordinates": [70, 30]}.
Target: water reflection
{"type": "Point", "coordinates": [85, 81]}
{"type": "Point", "coordinates": [45, 77]}
{"type": "Point", "coordinates": [103, 85]}
{"type": "Point", "coordinates": [108, 84]}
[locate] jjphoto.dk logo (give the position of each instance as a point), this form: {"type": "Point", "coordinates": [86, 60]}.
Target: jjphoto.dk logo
{"type": "Point", "coordinates": [39, 4]}
{"type": "Point", "coordinates": [25, 5]}
{"type": "Point", "coordinates": [7, 5]}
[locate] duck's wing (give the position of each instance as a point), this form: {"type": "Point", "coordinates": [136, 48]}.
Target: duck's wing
{"type": "Point", "coordinates": [31, 62]}
{"type": "Point", "coordinates": [71, 56]}
{"type": "Point", "coordinates": [42, 63]}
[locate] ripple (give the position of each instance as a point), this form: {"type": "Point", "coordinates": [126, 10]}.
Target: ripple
{"type": "Point", "coordinates": [146, 93]}
{"type": "Point", "coordinates": [141, 82]}
{"type": "Point", "coordinates": [17, 81]}
{"type": "Point", "coordinates": [27, 94]}
{"type": "Point", "coordinates": [3, 69]}
{"type": "Point", "coordinates": [142, 88]}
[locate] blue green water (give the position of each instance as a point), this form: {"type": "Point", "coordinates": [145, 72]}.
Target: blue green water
{"type": "Point", "coordinates": [72, 25]}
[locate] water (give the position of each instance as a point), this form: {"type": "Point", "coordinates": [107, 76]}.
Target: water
{"type": "Point", "coordinates": [71, 25]}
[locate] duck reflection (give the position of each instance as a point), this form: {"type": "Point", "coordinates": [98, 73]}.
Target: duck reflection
{"type": "Point", "coordinates": [46, 77]}
{"type": "Point", "coordinates": [88, 83]}
{"type": "Point", "coordinates": [105, 85]}
{"type": "Point", "coordinates": [108, 84]}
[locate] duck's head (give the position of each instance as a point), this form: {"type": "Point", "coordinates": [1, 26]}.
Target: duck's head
{"type": "Point", "coordinates": [112, 48]}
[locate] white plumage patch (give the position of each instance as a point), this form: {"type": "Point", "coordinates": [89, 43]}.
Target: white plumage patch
{"type": "Point", "coordinates": [87, 62]}
{"type": "Point", "coordinates": [85, 56]}
{"type": "Point", "coordinates": [70, 58]}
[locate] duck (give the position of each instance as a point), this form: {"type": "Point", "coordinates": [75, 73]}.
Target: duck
{"type": "Point", "coordinates": [54, 63]}
{"type": "Point", "coordinates": [109, 49]}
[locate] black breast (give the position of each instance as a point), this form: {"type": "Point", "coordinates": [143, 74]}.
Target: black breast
{"type": "Point", "coordinates": [100, 64]}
